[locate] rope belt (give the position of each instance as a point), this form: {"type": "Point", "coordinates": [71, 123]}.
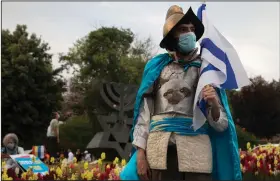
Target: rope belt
{"type": "Point", "coordinates": [178, 125]}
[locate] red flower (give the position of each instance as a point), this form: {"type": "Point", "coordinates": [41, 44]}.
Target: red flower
{"type": "Point", "coordinates": [71, 166]}
{"type": "Point", "coordinates": [102, 176]}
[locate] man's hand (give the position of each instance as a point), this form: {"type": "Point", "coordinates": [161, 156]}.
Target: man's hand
{"type": "Point", "coordinates": [209, 95]}
{"type": "Point", "coordinates": [142, 165]}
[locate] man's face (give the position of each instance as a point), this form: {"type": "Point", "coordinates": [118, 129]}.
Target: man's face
{"type": "Point", "coordinates": [183, 28]}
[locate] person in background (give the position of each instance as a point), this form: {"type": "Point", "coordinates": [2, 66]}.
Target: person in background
{"type": "Point", "coordinates": [70, 156]}
{"type": "Point", "coordinates": [10, 143]}
{"type": "Point", "coordinates": [53, 135]}
{"type": "Point", "coordinates": [57, 158]}
{"type": "Point", "coordinates": [87, 156]}
{"type": "Point", "coordinates": [78, 155]}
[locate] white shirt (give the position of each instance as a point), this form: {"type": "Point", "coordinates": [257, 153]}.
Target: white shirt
{"type": "Point", "coordinates": [88, 158]}
{"type": "Point", "coordinates": [51, 129]}
{"type": "Point", "coordinates": [70, 157]}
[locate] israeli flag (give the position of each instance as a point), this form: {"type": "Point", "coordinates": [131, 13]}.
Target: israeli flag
{"type": "Point", "coordinates": [221, 66]}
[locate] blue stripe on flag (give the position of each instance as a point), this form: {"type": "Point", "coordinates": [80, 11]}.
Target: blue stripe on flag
{"type": "Point", "coordinates": [209, 67]}
{"type": "Point", "coordinates": [199, 11]}
{"type": "Point", "coordinates": [202, 105]}
{"type": "Point", "coordinates": [39, 151]}
{"type": "Point", "coordinates": [221, 55]}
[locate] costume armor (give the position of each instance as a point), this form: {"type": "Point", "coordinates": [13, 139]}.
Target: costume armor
{"type": "Point", "coordinates": [173, 96]}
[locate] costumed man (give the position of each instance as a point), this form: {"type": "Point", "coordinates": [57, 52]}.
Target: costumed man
{"type": "Point", "coordinates": [167, 147]}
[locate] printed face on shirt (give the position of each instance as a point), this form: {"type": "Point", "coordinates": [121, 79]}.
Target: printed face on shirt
{"type": "Point", "coordinates": [183, 28]}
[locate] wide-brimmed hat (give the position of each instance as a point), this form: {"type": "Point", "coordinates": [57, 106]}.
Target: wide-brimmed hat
{"type": "Point", "coordinates": [174, 17]}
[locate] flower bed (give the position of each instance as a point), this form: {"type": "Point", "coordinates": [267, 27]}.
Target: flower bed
{"type": "Point", "coordinates": [261, 163]}
{"type": "Point", "coordinates": [72, 171]}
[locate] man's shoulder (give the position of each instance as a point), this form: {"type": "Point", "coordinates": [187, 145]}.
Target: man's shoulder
{"type": "Point", "coordinates": [54, 121]}
{"type": "Point", "coordinates": [157, 58]}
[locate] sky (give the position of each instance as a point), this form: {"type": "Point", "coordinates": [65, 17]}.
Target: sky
{"type": "Point", "coordinates": [251, 27]}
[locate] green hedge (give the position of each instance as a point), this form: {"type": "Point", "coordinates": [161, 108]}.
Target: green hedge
{"type": "Point", "coordinates": [244, 137]}
{"type": "Point", "coordinates": [76, 133]}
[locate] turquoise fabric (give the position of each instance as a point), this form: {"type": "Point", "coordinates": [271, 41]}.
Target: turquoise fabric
{"type": "Point", "coordinates": [226, 161]}
{"type": "Point", "coordinates": [178, 125]}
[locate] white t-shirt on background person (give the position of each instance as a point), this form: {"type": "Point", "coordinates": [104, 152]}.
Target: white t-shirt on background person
{"type": "Point", "coordinates": [70, 157]}
{"type": "Point", "coordinates": [51, 129]}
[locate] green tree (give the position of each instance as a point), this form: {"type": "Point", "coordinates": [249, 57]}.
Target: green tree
{"type": "Point", "coordinates": [31, 89]}
{"type": "Point", "coordinates": [106, 54]}
{"type": "Point", "coordinates": [109, 54]}
{"type": "Point", "coordinates": [76, 133]}
{"type": "Point", "coordinates": [257, 106]}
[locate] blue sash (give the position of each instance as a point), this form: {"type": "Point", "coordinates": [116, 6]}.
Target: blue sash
{"type": "Point", "coordinates": [178, 125]}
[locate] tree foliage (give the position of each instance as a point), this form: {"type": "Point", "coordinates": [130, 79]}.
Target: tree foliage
{"type": "Point", "coordinates": [76, 133]}
{"type": "Point", "coordinates": [109, 54]}
{"type": "Point", "coordinates": [31, 89]}
{"type": "Point", "coordinates": [258, 107]}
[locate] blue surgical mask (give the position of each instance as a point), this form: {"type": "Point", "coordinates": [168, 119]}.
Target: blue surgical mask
{"type": "Point", "coordinates": [186, 42]}
{"type": "Point", "coordinates": [11, 146]}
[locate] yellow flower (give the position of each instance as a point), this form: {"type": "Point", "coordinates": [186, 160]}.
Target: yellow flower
{"type": "Point", "coordinates": [254, 155]}
{"type": "Point", "coordinates": [248, 145]}
{"type": "Point", "coordinates": [34, 176]}
{"type": "Point", "coordinates": [103, 156]}
{"type": "Point", "coordinates": [73, 177]}
{"type": "Point", "coordinates": [52, 160]}
{"type": "Point", "coordinates": [86, 165]}
{"type": "Point", "coordinates": [5, 176]}
{"type": "Point", "coordinates": [23, 175]}
{"type": "Point", "coordinates": [123, 162]}
{"type": "Point", "coordinates": [116, 161]}
{"type": "Point", "coordinates": [83, 175]}
{"type": "Point", "coordinates": [58, 172]}
{"type": "Point", "coordinates": [275, 161]}
{"type": "Point", "coordinates": [99, 161]}
{"type": "Point", "coordinates": [74, 160]}
{"type": "Point", "coordinates": [258, 164]}
{"type": "Point", "coordinates": [3, 164]}
{"type": "Point", "coordinates": [89, 175]}
{"type": "Point", "coordinates": [108, 166]}
{"type": "Point", "coordinates": [117, 171]}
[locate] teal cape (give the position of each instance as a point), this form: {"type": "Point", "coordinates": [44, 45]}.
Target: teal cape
{"type": "Point", "coordinates": [226, 160]}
